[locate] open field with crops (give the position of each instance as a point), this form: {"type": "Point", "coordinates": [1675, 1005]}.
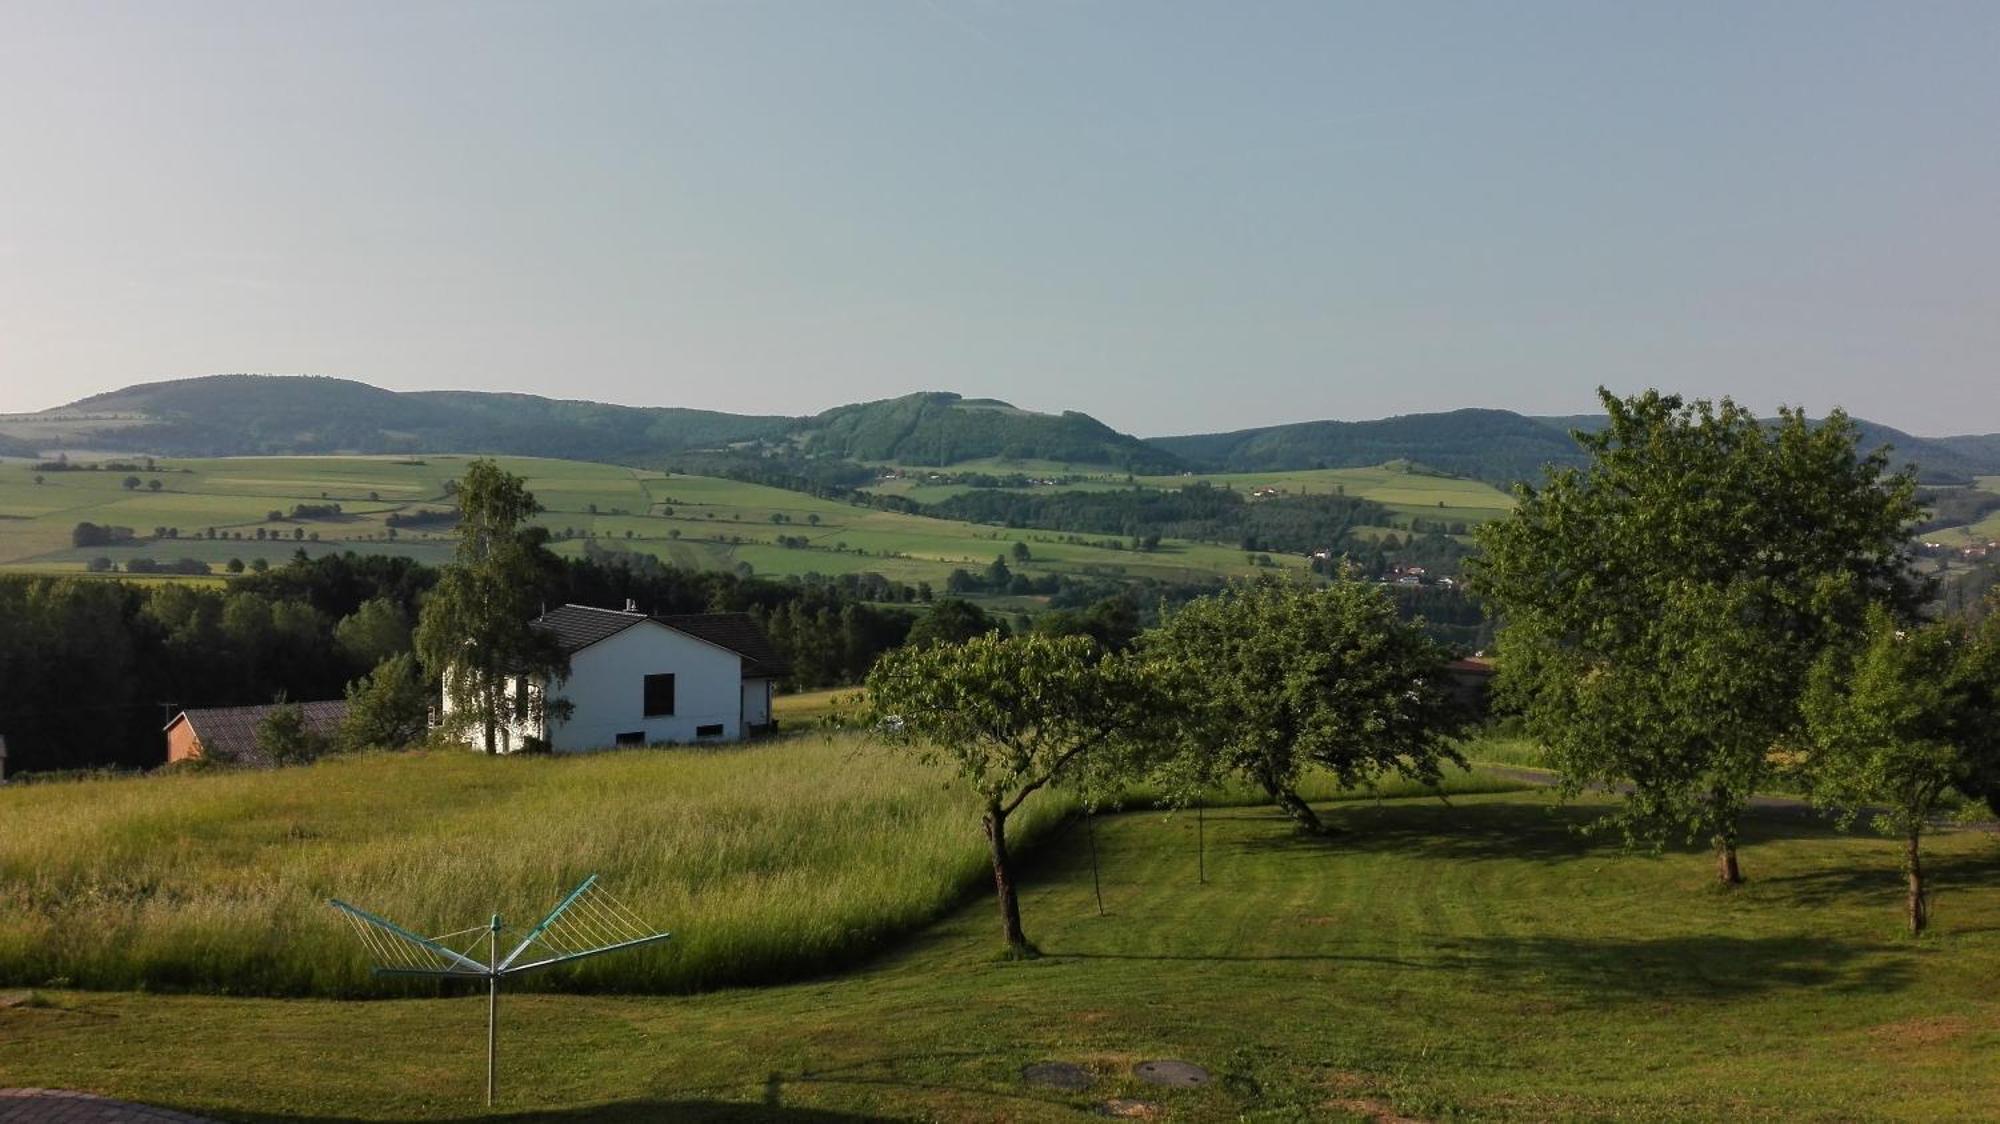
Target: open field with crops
{"type": "Point", "coordinates": [694, 521]}
{"type": "Point", "coordinates": [1480, 960]}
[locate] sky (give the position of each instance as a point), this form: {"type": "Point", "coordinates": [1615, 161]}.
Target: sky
{"type": "Point", "coordinates": [1176, 217]}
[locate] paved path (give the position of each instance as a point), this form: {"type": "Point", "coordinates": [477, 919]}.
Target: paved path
{"type": "Point", "coordinates": [60, 1106]}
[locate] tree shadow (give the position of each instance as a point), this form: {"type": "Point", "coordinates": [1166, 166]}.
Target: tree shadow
{"type": "Point", "coordinates": [1882, 882]}
{"type": "Point", "coordinates": [1689, 967]}
{"type": "Point", "coordinates": [617, 1112]}
{"type": "Point", "coordinates": [1458, 832]}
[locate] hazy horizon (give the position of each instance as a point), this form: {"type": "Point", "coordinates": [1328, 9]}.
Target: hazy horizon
{"type": "Point", "coordinates": [1175, 218]}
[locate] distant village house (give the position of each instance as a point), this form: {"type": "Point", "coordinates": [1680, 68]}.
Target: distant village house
{"type": "Point", "coordinates": [229, 733]}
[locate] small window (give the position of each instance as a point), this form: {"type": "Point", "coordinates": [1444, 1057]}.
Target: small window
{"type": "Point", "coordinates": [520, 699]}
{"type": "Point", "coordinates": [713, 730]}
{"type": "Point", "coordinates": [659, 696]}
{"type": "Point", "coordinates": [630, 737]}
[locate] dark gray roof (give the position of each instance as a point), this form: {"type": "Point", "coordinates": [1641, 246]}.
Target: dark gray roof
{"type": "Point", "coordinates": [231, 731]}
{"type": "Point", "coordinates": [577, 627]}
{"type": "Point", "coordinates": [736, 632]}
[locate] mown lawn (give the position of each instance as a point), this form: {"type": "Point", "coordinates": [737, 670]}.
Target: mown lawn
{"type": "Point", "coordinates": [1473, 961]}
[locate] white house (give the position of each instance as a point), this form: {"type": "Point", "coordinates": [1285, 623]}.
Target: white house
{"type": "Point", "coordinates": [636, 679]}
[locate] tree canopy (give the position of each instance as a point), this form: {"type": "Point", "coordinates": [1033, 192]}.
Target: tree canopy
{"type": "Point", "coordinates": [475, 632]}
{"type": "Point", "coordinates": [1897, 727]}
{"type": "Point", "coordinates": [1661, 605]}
{"type": "Point", "coordinates": [1010, 716]}
{"type": "Point", "coordinates": [1271, 678]}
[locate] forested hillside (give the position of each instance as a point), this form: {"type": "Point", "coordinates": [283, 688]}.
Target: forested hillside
{"type": "Point", "coordinates": [942, 428]}
{"type": "Point", "coordinates": [1493, 445]}
{"type": "Point", "coordinates": [234, 415]}
{"type": "Point", "coordinates": [1500, 446]}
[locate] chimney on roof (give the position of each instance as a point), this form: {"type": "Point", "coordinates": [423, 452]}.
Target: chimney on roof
{"type": "Point", "coordinates": [631, 606]}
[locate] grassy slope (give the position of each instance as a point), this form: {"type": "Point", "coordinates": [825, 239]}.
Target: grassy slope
{"type": "Point", "coordinates": [1480, 961]}
{"type": "Point", "coordinates": [1985, 531]}
{"type": "Point", "coordinates": [234, 494]}
{"type": "Point", "coordinates": [771, 857]}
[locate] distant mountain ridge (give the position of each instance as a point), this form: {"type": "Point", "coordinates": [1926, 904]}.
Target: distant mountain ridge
{"type": "Point", "coordinates": [1501, 446]}
{"type": "Point", "coordinates": [231, 415]}
{"type": "Point", "coordinates": [234, 415]}
{"type": "Point", "coordinates": [1496, 445]}
{"type": "Point", "coordinates": [225, 415]}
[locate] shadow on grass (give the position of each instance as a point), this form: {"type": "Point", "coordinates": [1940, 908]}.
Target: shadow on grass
{"type": "Point", "coordinates": [1882, 881]}
{"type": "Point", "coordinates": [1510, 830]}
{"type": "Point", "coordinates": [1689, 967]}
{"type": "Point", "coordinates": [618, 1112]}
{"type": "Point", "coordinates": [1463, 832]}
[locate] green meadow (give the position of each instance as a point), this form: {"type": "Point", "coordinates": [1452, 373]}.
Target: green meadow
{"type": "Point", "coordinates": [778, 859]}
{"type": "Point", "coordinates": [1984, 531]}
{"type": "Point", "coordinates": [696, 521]}
{"type": "Point", "coordinates": [1473, 960]}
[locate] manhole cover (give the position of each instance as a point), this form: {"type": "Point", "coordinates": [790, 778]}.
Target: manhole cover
{"type": "Point", "coordinates": [1057, 1075]}
{"type": "Point", "coordinates": [1178, 1075]}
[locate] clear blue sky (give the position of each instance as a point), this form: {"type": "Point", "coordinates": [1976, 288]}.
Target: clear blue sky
{"type": "Point", "coordinates": [1179, 217]}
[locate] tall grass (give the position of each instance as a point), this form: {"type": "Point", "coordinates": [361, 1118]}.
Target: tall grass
{"type": "Point", "coordinates": [768, 862]}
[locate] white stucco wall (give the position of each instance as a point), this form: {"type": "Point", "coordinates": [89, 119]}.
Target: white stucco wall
{"type": "Point", "coordinates": [606, 688]}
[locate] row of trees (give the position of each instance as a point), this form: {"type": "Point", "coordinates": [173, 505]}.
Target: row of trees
{"type": "Point", "coordinates": [1262, 682]}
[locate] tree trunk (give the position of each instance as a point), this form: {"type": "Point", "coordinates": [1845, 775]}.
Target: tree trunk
{"type": "Point", "coordinates": [1913, 868]}
{"type": "Point", "coordinates": [1726, 870]}
{"type": "Point", "coordinates": [1300, 811]}
{"type": "Point", "coordinates": [491, 714]}
{"type": "Point", "coordinates": [1003, 884]}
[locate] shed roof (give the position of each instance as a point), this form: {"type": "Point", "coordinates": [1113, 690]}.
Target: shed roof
{"type": "Point", "coordinates": [231, 731]}
{"type": "Point", "coordinates": [577, 627]}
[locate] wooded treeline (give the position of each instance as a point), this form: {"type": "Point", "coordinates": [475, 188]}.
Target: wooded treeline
{"type": "Point", "coordinates": [1200, 511]}
{"type": "Point", "coordinates": [92, 669]}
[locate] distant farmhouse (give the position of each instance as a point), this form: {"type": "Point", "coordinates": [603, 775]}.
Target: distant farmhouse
{"type": "Point", "coordinates": [229, 733]}
{"type": "Point", "coordinates": [637, 679]}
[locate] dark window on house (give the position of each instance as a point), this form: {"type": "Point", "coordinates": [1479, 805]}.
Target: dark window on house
{"type": "Point", "coordinates": [520, 698]}
{"type": "Point", "coordinates": [659, 695]}
{"type": "Point", "coordinates": [710, 731]}
{"type": "Point", "coordinates": [633, 737]}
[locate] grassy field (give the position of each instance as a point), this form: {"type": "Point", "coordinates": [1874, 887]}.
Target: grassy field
{"type": "Point", "coordinates": [773, 860]}
{"type": "Point", "coordinates": [776, 858]}
{"type": "Point", "coordinates": [1476, 961]}
{"type": "Point", "coordinates": [1984, 531]}
{"type": "Point", "coordinates": [695, 521]}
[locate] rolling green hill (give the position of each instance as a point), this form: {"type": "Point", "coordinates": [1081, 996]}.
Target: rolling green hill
{"type": "Point", "coordinates": [242, 415]}
{"type": "Point", "coordinates": [1493, 445]}
{"type": "Point", "coordinates": [238, 415]}
{"type": "Point", "coordinates": [939, 428]}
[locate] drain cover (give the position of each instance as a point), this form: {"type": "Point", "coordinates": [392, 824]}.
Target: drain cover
{"type": "Point", "coordinates": [1177, 1075]}
{"type": "Point", "coordinates": [1057, 1075]}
